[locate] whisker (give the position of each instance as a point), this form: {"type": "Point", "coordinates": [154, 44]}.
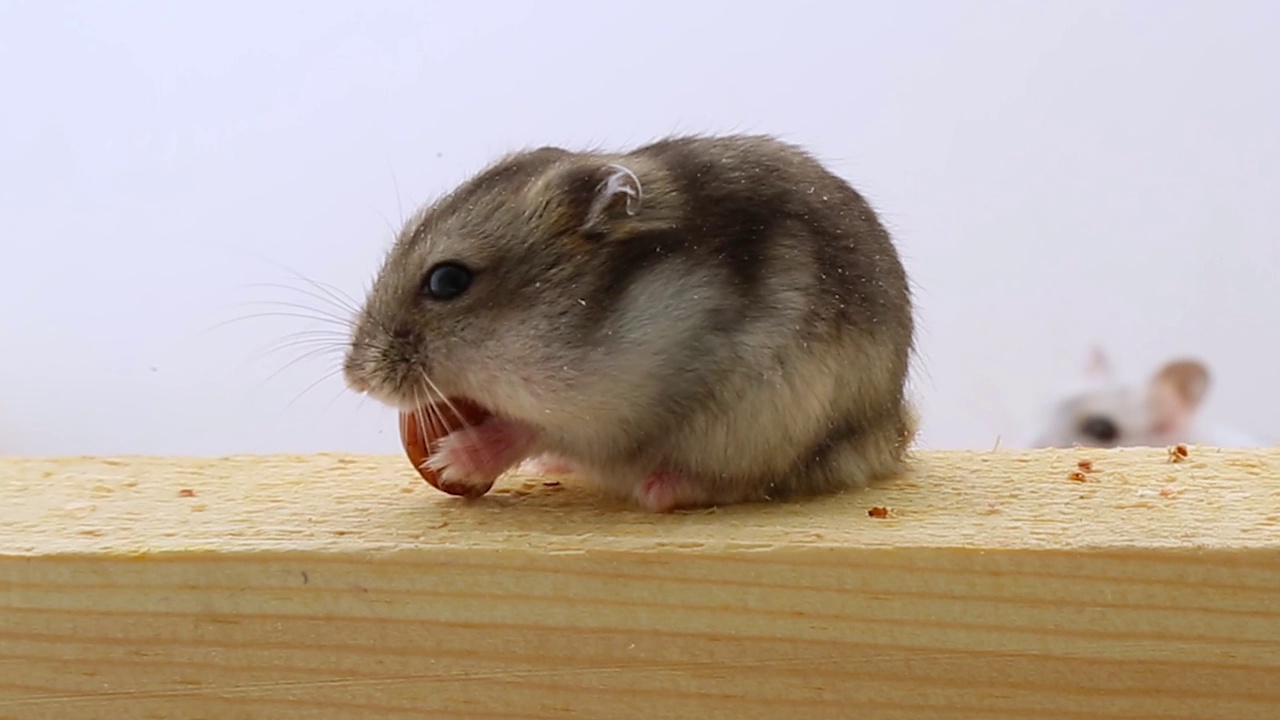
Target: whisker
{"type": "Point", "coordinates": [263, 315]}
{"type": "Point", "coordinates": [317, 341]}
{"type": "Point", "coordinates": [341, 391]}
{"type": "Point", "coordinates": [339, 340]}
{"type": "Point", "coordinates": [319, 312]}
{"type": "Point", "coordinates": [432, 413]}
{"type": "Point", "coordinates": [445, 399]}
{"type": "Point", "coordinates": [310, 350]}
{"type": "Point", "coordinates": [336, 336]}
{"type": "Point", "coordinates": [419, 416]}
{"type": "Point", "coordinates": [336, 292]}
{"type": "Point", "coordinates": [395, 184]}
{"type": "Point", "coordinates": [326, 376]}
{"type": "Point", "coordinates": [385, 220]}
{"type": "Point", "coordinates": [348, 307]}
{"type": "Point", "coordinates": [326, 288]}
{"type": "Point", "coordinates": [304, 356]}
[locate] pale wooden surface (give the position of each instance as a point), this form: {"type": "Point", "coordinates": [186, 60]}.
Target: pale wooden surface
{"type": "Point", "coordinates": [332, 587]}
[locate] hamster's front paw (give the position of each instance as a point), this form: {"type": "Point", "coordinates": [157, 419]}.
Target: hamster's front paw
{"type": "Point", "coordinates": [469, 460]}
{"type": "Point", "coordinates": [666, 490]}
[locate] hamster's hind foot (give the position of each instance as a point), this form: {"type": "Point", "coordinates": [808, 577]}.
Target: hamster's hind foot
{"type": "Point", "coordinates": [549, 465]}
{"type": "Point", "coordinates": [666, 490]}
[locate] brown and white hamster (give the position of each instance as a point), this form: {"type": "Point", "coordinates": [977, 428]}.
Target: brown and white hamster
{"type": "Point", "coordinates": [1164, 412]}
{"type": "Point", "coordinates": [699, 321]}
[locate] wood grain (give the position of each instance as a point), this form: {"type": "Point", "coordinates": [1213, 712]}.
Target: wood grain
{"type": "Point", "coordinates": [327, 586]}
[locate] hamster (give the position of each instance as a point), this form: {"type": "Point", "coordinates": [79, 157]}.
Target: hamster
{"type": "Point", "coordinates": [1164, 412]}
{"type": "Point", "coordinates": [699, 321]}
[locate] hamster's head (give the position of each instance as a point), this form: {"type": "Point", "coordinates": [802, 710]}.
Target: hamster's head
{"type": "Point", "coordinates": [1113, 415]}
{"type": "Point", "coordinates": [487, 293]}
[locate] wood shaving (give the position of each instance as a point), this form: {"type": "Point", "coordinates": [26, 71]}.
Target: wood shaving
{"type": "Point", "coordinates": [80, 509]}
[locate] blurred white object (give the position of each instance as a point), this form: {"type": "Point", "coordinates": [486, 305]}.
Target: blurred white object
{"type": "Point", "coordinates": [1105, 413]}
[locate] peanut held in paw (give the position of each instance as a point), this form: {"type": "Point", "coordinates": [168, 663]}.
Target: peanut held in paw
{"type": "Point", "coordinates": [440, 420]}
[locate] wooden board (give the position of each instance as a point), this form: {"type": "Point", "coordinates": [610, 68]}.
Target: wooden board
{"type": "Point", "coordinates": [321, 587]}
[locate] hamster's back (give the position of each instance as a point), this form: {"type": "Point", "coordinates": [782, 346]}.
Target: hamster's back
{"type": "Point", "coordinates": [815, 396]}
{"type": "Point", "coordinates": [739, 188]}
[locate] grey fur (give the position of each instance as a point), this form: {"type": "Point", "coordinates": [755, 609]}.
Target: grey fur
{"type": "Point", "coordinates": [728, 309]}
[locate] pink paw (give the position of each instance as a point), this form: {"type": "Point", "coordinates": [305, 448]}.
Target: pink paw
{"type": "Point", "coordinates": [664, 491]}
{"type": "Point", "coordinates": [549, 465]}
{"type": "Point", "coordinates": [469, 460]}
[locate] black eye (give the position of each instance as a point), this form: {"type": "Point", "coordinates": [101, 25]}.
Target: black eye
{"type": "Point", "coordinates": [1100, 428]}
{"type": "Point", "coordinates": [446, 281]}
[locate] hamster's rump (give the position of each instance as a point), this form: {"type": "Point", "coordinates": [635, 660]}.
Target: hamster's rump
{"type": "Point", "coordinates": [701, 320]}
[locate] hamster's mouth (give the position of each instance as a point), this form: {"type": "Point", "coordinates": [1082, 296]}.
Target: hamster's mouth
{"type": "Point", "coordinates": [451, 414]}
{"type": "Point", "coordinates": [456, 414]}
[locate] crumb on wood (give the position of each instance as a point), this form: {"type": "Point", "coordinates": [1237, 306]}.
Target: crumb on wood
{"type": "Point", "coordinates": [992, 508]}
{"type": "Point", "coordinates": [551, 483]}
{"type": "Point", "coordinates": [186, 492]}
{"type": "Point", "coordinates": [878, 512]}
{"type": "Point", "coordinates": [1085, 465]}
{"type": "Point", "coordinates": [1178, 453]}
{"type": "Point", "coordinates": [1168, 491]}
{"type": "Point", "coordinates": [1077, 476]}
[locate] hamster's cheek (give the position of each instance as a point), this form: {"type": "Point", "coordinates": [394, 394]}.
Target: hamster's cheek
{"type": "Point", "coordinates": [509, 377]}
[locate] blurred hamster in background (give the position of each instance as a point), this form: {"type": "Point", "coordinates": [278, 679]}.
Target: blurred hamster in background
{"type": "Point", "coordinates": [1165, 412]}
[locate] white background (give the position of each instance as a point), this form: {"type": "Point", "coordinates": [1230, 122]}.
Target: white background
{"type": "Point", "coordinates": [1058, 174]}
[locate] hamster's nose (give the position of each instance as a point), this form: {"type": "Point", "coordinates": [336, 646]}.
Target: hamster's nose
{"type": "Point", "coordinates": [355, 380]}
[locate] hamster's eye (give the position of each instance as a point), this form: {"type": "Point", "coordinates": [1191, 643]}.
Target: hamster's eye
{"type": "Point", "coordinates": [1100, 428]}
{"type": "Point", "coordinates": [446, 281]}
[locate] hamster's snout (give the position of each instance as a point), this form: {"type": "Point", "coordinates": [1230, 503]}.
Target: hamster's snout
{"type": "Point", "coordinates": [360, 364]}
{"type": "Point", "coordinates": [352, 372]}
{"type": "Point", "coordinates": [386, 366]}
{"type": "Point", "coordinates": [355, 381]}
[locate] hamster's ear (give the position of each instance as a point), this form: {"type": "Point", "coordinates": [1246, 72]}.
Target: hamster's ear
{"type": "Point", "coordinates": [1189, 379]}
{"type": "Point", "coordinates": [1098, 367]}
{"type": "Point", "coordinates": [601, 194]}
{"type": "Point", "coordinates": [1175, 393]}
